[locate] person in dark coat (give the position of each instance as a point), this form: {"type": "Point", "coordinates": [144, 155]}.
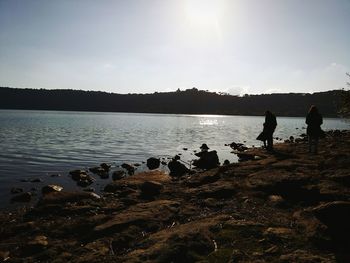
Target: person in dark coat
{"type": "Point", "coordinates": [314, 121]}
{"type": "Point", "coordinates": [207, 160]}
{"type": "Point", "coordinates": [270, 125]}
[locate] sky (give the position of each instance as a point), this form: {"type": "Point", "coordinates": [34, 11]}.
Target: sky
{"type": "Point", "coordinates": [143, 46]}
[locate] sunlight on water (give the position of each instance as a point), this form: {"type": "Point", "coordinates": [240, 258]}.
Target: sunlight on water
{"type": "Point", "coordinates": [208, 122]}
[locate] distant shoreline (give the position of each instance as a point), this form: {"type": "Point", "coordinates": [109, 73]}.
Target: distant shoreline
{"type": "Point", "coordinates": [155, 113]}
{"type": "Point", "coordinates": [191, 101]}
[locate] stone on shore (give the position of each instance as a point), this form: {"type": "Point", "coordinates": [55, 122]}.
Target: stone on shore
{"type": "Point", "coordinates": [22, 197]}
{"type": "Point", "coordinates": [153, 163]}
{"type": "Point", "coordinates": [149, 189]}
{"type": "Point", "coordinates": [129, 167]}
{"type": "Point", "coordinates": [117, 175]}
{"type": "Point", "coordinates": [51, 188]}
{"type": "Point", "coordinates": [177, 169]}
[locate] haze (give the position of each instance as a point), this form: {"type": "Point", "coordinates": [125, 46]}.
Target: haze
{"type": "Point", "coordinates": [143, 46]}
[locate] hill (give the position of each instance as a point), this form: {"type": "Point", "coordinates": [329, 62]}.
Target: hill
{"type": "Point", "coordinates": [190, 101]}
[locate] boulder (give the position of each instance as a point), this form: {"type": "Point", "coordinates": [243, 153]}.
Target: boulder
{"type": "Point", "coordinates": [16, 190]}
{"type": "Point", "coordinates": [64, 197]}
{"type": "Point", "coordinates": [153, 163]}
{"type": "Point", "coordinates": [245, 157]}
{"type": "Point", "coordinates": [304, 256]}
{"type": "Point", "coordinates": [336, 216]}
{"type": "Point", "coordinates": [23, 197]}
{"type": "Point", "coordinates": [36, 180]}
{"type": "Point", "coordinates": [207, 177]}
{"type": "Point", "coordinates": [81, 177]}
{"type": "Point", "coordinates": [51, 188]}
{"type": "Point", "coordinates": [150, 189]}
{"type": "Point", "coordinates": [38, 244]}
{"type": "Point", "coordinates": [4, 255]}
{"type": "Point", "coordinates": [78, 174]}
{"type": "Point", "coordinates": [105, 166]}
{"type": "Point", "coordinates": [117, 175]}
{"type": "Point", "coordinates": [130, 168]}
{"type": "Point", "coordinates": [97, 170]}
{"type": "Point", "coordinates": [85, 182]}
{"type": "Point", "coordinates": [176, 168]}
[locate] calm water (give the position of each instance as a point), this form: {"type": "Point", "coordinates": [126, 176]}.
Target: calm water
{"type": "Point", "coordinates": [36, 144]}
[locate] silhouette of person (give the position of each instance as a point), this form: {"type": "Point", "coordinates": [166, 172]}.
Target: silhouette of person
{"type": "Point", "coordinates": [207, 160]}
{"type": "Point", "coordinates": [314, 121]}
{"type": "Point", "coordinates": [270, 125]}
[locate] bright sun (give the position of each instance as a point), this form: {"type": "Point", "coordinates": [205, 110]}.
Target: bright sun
{"type": "Point", "coordinates": [204, 13]}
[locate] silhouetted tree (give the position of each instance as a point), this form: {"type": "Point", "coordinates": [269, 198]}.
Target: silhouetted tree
{"type": "Point", "coordinates": [189, 101]}
{"type": "Point", "coordinates": [345, 101]}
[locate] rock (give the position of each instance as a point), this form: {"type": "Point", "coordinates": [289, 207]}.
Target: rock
{"type": "Point", "coordinates": [153, 163]}
{"type": "Point", "coordinates": [84, 182]}
{"type": "Point", "coordinates": [105, 166]}
{"type": "Point", "coordinates": [281, 232]}
{"type": "Point", "coordinates": [207, 177]}
{"type": "Point", "coordinates": [271, 250]}
{"type": "Point", "coordinates": [130, 168]}
{"type": "Point", "coordinates": [16, 190]}
{"type": "Point", "coordinates": [78, 174]}
{"type": "Point", "coordinates": [36, 180]}
{"type": "Point", "coordinates": [238, 146]}
{"type": "Point", "coordinates": [226, 162]}
{"type": "Point", "coordinates": [38, 244]}
{"type": "Point", "coordinates": [64, 197]}
{"type": "Point", "coordinates": [24, 197]}
{"type": "Point", "coordinates": [81, 177]}
{"type": "Point", "coordinates": [302, 256]}
{"type": "Point", "coordinates": [140, 214]}
{"type": "Point", "coordinates": [245, 157]}
{"type": "Point", "coordinates": [185, 149]}
{"type": "Point", "coordinates": [218, 192]}
{"type": "Point", "coordinates": [164, 163]}
{"type": "Point", "coordinates": [51, 188]}
{"type": "Point", "coordinates": [117, 175]}
{"type": "Point", "coordinates": [276, 200]}
{"type": "Point", "coordinates": [89, 189]}
{"type": "Point", "coordinates": [4, 255]}
{"type": "Point", "coordinates": [336, 216]}
{"type": "Point", "coordinates": [55, 175]}
{"type": "Point", "coordinates": [150, 189]}
{"type": "Point", "coordinates": [137, 164]}
{"type": "Point", "coordinates": [97, 170]}
{"type": "Point", "coordinates": [176, 168]}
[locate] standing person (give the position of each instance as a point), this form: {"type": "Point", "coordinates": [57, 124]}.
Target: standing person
{"type": "Point", "coordinates": [269, 128]}
{"type": "Point", "coordinates": [314, 121]}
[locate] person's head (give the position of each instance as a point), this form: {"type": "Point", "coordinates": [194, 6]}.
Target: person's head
{"type": "Point", "coordinates": [204, 147]}
{"type": "Point", "coordinates": [313, 109]}
{"type": "Point", "coordinates": [268, 113]}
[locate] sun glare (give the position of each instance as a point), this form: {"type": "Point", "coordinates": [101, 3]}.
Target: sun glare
{"type": "Point", "coordinates": [204, 13]}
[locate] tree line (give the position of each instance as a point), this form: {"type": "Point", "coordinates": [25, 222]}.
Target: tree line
{"type": "Point", "coordinates": [190, 101]}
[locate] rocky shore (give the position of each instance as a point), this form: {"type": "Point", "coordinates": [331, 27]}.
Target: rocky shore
{"type": "Point", "coordinates": [281, 206]}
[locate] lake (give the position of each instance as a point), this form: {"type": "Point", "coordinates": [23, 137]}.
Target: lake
{"type": "Point", "coordinates": [36, 144]}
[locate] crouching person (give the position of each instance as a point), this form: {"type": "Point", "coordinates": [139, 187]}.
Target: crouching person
{"type": "Point", "coordinates": [207, 159]}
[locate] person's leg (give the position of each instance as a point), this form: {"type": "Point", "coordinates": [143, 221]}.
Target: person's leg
{"type": "Point", "coordinates": [316, 145]}
{"type": "Point", "coordinates": [269, 142]}
{"type": "Point", "coordinates": [309, 142]}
